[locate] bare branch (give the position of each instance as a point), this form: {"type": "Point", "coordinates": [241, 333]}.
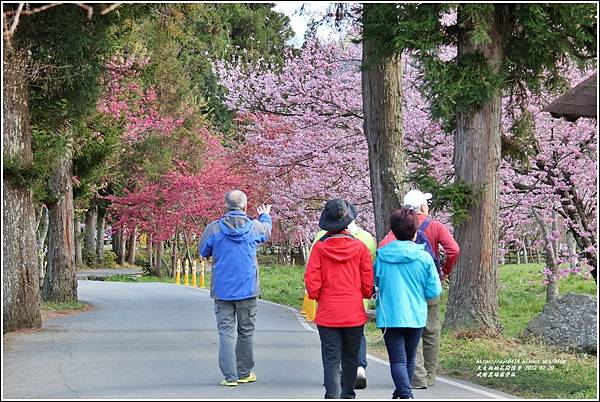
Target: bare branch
{"type": "Point", "coordinates": [110, 8]}
{"type": "Point", "coordinates": [13, 26]}
{"type": "Point", "coordinates": [31, 11]}
{"type": "Point", "coordinates": [89, 9]}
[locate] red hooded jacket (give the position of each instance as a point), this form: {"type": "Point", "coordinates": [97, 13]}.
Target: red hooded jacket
{"type": "Point", "coordinates": [339, 274]}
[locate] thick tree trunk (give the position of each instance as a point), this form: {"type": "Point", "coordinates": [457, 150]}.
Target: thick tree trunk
{"type": "Point", "coordinates": [60, 284]}
{"type": "Point", "coordinates": [89, 250]}
{"type": "Point", "coordinates": [20, 276]}
{"type": "Point", "coordinates": [382, 107]}
{"type": "Point", "coordinates": [100, 224]}
{"type": "Point", "coordinates": [472, 298]}
{"type": "Point", "coordinates": [132, 247]}
{"type": "Point", "coordinates": [77, 240]}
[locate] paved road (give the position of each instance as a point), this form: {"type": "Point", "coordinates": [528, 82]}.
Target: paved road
{"type": "Point", "coordinates": [155, 340]}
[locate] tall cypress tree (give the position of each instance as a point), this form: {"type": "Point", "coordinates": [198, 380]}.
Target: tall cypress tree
{"type": "Point", "coordinates": [503, 49]}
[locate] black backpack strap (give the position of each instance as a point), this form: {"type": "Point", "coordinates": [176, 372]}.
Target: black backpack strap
{"type": "Point", "coordinates": [336, 235]}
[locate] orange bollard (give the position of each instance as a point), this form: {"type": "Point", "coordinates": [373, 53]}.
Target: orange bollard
{"type": "Point", "coordinates": [178, 273]}
{"type": "Point", "coordinates": [186, 271]}
{"type": "Point", "coordinates": [194, 273]}
{"type": "Point", "coordinates": [202, 269]}
{"type": "Point", "coordinates": [311, 310]}
{"type": "Point", "coordinates": [304, 304]}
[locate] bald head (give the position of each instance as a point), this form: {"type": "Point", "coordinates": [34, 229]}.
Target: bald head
{"type": "Point", "coordinates": [236, 200]}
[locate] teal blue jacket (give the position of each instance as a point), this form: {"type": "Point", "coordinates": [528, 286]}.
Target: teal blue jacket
{"type": "Point", "coordinates": [406, 277]}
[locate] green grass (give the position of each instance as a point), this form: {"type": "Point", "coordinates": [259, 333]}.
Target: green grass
{"type": "Point", "coordinates": [150, 278]}
{"type": "Point", "coordinates": [61, 306]}
{"type": "Point", "coordinates": [283, 284]}
{"type": "Point", "coordinates": [521, 296]}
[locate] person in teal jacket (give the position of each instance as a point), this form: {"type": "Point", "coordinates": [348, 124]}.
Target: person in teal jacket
{"type": "Point", "coordinates": [406, 277]}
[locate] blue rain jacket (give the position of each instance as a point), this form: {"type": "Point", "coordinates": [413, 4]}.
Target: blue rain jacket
{"type": "Point", "coordinates": [406, 277]}
{"type": "Point", "coordinates": [232, 242]}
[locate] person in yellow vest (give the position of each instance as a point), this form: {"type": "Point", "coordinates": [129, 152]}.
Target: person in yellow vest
{"type": "Point", "coordinates": [369, 241]}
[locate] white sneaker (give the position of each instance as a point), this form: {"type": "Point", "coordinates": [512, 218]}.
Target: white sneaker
{"type": "Point", "coordinates": [361, 378]}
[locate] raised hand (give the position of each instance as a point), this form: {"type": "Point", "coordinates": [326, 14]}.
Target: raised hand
{"type": "Point", "coordinates": [264, 209]}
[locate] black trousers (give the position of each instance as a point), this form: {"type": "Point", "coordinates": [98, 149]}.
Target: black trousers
{"type": "Point", "coordinates": [340, 346]}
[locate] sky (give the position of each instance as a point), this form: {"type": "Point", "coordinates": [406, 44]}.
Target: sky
{"type": "Point", "coordinates": [299, 22]}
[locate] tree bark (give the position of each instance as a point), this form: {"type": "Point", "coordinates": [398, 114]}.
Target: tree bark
{"type": "Point", "coordinates": [572, 247]}
{"type": "Point", "coordinates": [174, 253]}
{"type": "Point", "coordinates": [91, 218]}
{"type": "Point", "coordinates": [114, 240]}
{"type": "Point", "coordinates": [20, 276]}
{"type": "Point", "coordinates": [60, 284]}
{"type": "Point", "coordinates": [121, 247]}
{"type": "Point", "coordinates": [551, 248]}
{"type": "Point", "coordinates": [472, 298]}
{"type": "Point", "coordinates": [525, 257]}
{"type": "Point", "coordinates": [382, 107]}
{"type": "Point", "coordinates": [77, 241]}
{"type": "Point", "coordinates": [100, 226]}
{"type": "Point", "coordinates": [159, 259]}
{"type": "Point", "coordinates": [150, 254]}
{"type": "Point", "coordinates": [42, 234]}
{"type": "Point", "coordinates": [132, 247]}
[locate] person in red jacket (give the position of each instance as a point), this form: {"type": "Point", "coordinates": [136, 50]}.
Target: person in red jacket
{"type": "Point", "coordinates": [339, 275]}
{"type": "Point", "coordinates": [438, 235]}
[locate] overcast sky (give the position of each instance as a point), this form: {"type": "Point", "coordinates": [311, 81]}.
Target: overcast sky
{"type": "Point", "coordinates": [299, 22]}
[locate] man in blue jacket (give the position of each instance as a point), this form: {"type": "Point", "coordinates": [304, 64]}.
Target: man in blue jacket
{"type": "Point", "coordinates": [235, 286]}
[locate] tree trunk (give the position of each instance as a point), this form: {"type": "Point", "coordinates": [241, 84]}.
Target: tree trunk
{"type": "Point", "coordinates": [121, 247]}
{"type": "Point", "coordinates": [472, 298]}
{"type": "Point", "coordinates": [114, 240]}
{"type": "Point", "coordinates": [382, 108]}
{"type": "Point", "coordinates": [525, 257]}
{"type": "Point", "coordinates": [132, 247]}
{"type": "Point", "coordinates": [150, 254]}
{"type": "Point", "coordinates": [42, 234]}
{"type": "Point", "coordinates": [89, 247]}
{"type": "Point", "coordinates": [60, 283]}
{"type": "Point", "coordinates": [518, 255]}
{"type": "Point", "coordinates": [20, 276]}
{"type": "Point", "coordinates": [77, 240]}
{"type": "Point", "coordinates": [100, 225]}
{"type": "Point", "coordinates": [572, 247]}
{"type": "Point", "coordinates": [159, 259]}
{"type": "Point", "coordinates": [551, 248]}
{"type": "Point", "coordinates": [174, 253]}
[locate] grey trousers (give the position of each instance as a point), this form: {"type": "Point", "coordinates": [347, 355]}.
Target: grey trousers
{"type": "Point", "coordinates": [236, 359]}
{"type": "Point", "coordinates": [428, 351]}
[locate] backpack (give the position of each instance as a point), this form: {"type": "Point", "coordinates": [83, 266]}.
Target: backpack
{"type": "Point", "coordinates": [422, 239]}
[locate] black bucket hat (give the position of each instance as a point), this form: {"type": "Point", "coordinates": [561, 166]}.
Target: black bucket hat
{"type": "Point", "coordinates": [337, 215]}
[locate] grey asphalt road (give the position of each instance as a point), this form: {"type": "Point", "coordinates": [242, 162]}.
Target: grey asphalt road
{"type": "Point", "coordinates": [155, 340]}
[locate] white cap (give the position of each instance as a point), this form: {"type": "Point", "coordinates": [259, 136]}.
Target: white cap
{"type": "Point", "coordinates": [414, 199]}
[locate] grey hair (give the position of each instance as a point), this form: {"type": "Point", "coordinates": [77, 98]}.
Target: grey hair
{"type": "Point", "coordinates": [235, 200]}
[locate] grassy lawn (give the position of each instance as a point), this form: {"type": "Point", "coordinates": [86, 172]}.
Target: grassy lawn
{"type": "Point", "coordinates": [521, 296]}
